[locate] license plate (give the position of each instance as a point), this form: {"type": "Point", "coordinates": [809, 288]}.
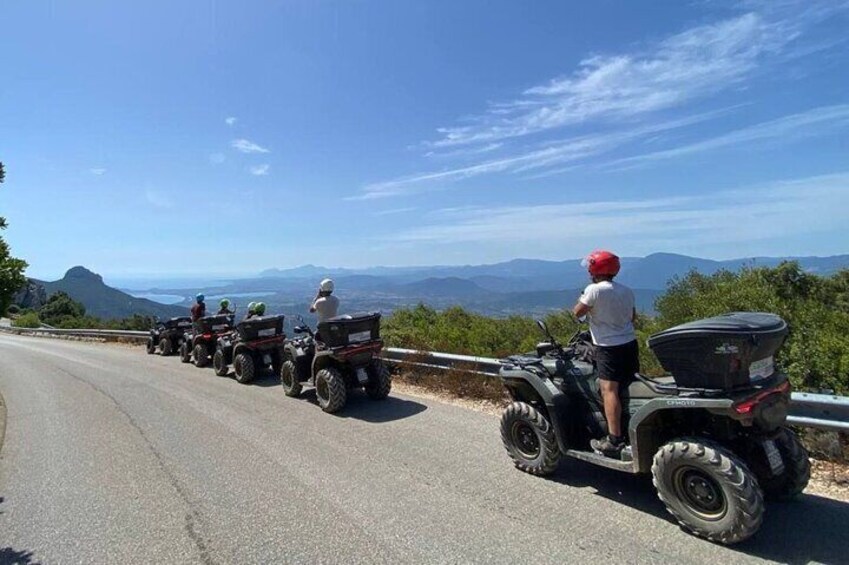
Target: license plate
{"type": "Point", "coordinates": [219, 327]}
{"type": "Point", "coordinates": [776, 464]}
{"type": "Point", "coordinates": [266, 332]}
{"type": "Point", "coordinates": [761, 369]}
{"type": "Point", "coordinates": [362, 376]}
{"type": "Point", "coordinates": [359, 336]}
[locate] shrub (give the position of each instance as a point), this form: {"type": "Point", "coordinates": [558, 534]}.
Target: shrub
{"type": "Point", "coordinates": [27, 320]}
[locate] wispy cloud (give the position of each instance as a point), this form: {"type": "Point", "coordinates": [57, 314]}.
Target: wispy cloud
{"type": "Point", "coordinates": [824, 119]}
{"type": "Point", "coordinates": [260, 170]}
{"type": "Point", "coordinates": [158, 199]}
{"type": "Point", "coordinates": [393, 211]}
{"type": "Point", "coordinates": [692, 64]}
{"type": "Point", "coordinates": [552, 153]}
{"type": "Point", "coordinates": [246, 146]}
{"type": "Point", "coordinates": [97, 171]}
{"type": "Point", "coordinates": [230, 120]}
{"type": "Point", "coordinates": [729, 216]}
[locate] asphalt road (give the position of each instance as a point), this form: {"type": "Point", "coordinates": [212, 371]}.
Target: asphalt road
{"type": "Point", "coordinates": [114, 456]}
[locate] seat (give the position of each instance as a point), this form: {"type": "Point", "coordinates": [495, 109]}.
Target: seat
{"type": "Point", "coordinates": [639, 389]}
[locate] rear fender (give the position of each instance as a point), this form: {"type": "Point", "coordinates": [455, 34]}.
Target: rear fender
{"type": "Point", "coordinates": [647, 428]}
{"type": "Point", "coordinates": [323, 360]}
{"type": "Point", "coordinates": [524, 386]}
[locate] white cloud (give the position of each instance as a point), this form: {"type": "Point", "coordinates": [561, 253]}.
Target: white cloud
{"type": "Point", "coordinates": [794, 126]}
{"type": "Point", "coordinates": [714, 218]}
{"type": "Point", "coordinates": [230, 120]}
{"type": "Point", "coordinates": [393, 211]}
{"type": "Point", "coordinates": [260, 170]}
{"type": "Point", "coordinates": [97, 171]}
{"type": "Point", "coordinates": [246, 146]}
{"type": "Point", "coordinates": [158, 199]}
{"type": "Point", "coordinates": [217, 158]}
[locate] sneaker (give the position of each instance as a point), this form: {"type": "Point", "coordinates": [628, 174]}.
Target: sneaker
{"type": "Point", "coordinates": [609, 446]}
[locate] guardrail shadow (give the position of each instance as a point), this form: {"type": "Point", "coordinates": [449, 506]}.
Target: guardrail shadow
{"type": "Point", "coordinates": [810, 528]}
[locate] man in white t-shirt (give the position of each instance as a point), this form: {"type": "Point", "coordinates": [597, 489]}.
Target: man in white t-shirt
{"type": "Point", "coordinates": [611, 312]}
{"type": "Point", "coordinates": [325, 305]}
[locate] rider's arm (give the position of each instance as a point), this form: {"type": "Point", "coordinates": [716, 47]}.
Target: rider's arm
{"type": "Point", "coordinates": [580, 309]}
{"type": "Point", "coordinates": [312, 308]}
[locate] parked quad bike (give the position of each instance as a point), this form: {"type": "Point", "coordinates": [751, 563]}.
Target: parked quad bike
{"type": "Point", "coordinates": [343, 355]}
{"type": "Point", "coordinates": [712, 435]}
{"type": "Point", "coordinates": [200, 342]}
{"type": "Point", "coordinates": [254, 345]}
{"type": "Point", "coordinates": [168, 335]}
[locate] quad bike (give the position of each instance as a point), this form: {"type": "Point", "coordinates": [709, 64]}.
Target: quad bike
{"type": "Point", "coordinates": [199, 343]}
{"type": "Point", "coordinates": [343, 355]}
{"type": "Point", "coordinates": [168, 335]}
{"type": "Point", "coordinates": [253, 345]}
{"type": "Point", "coordinates": [712, 434]}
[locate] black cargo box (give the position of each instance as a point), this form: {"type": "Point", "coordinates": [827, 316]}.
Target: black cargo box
{"type": "Point", "coordinates": [730, 351]}
{"type": "Point", "coordinates": [350, 330]}
{"type": "Point", "coordinates": [260, 327]}
{"type": "Point", "coordinates": [214, 324]}
{"type": "Point", "coordinates": [179, 322]}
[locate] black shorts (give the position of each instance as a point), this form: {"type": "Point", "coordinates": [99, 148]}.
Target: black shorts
{"type": "Point", "coordinates": [618, 363]}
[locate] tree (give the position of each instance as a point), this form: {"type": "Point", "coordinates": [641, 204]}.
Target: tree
{"type": "Point", "coordinates": [60, 308]}
{"type": "Point", "coordinates": [11, 269]}
{"type": "Point", "coordinates": [2, 179]}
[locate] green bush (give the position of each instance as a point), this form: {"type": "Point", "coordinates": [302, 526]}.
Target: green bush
{"type": "Point", "coordinates": [27, 320]}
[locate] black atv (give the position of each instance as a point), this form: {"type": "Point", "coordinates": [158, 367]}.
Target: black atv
{"type": "Point", "coordinates": [712, 434]}
{"type": "Point", "coordinates": [168, 335]}
{"type": "Point", "coordinates": [342, 355]}
{"type": "Point", "coordinates": [200, 342]}
{"type": "Point", "coordinates": [255, 344]}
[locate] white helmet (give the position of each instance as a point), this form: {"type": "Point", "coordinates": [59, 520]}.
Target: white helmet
{"type": "Point", "coordinates": [326, 285]}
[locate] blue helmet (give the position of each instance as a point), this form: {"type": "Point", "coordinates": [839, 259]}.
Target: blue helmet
{"type": "Point", "coordinates": [200, 297]}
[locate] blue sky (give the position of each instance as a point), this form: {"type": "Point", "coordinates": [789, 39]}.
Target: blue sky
{"type": "Point", "coordinates": [195, 138]}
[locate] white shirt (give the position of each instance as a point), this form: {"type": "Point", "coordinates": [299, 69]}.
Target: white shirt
{"type": "Point", "coordinates": [611, 313]}
{"type": "Point", "coordinates": [326, 307]}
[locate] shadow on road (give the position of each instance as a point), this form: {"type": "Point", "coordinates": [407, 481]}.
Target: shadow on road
{"type": "Point", "coordinates": [12, 556]}
{"type": "Point", "coordinates": [266, 379]}
{"type": "Point", "coordinates": [808, 529]}
{"type": "Point", "coordinates": [360, 407]}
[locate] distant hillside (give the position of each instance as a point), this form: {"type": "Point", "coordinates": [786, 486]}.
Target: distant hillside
{"type": "Point", "coordinates": [104, 301]}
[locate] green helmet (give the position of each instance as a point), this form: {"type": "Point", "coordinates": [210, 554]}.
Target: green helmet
{"type": "Point", "coordinates": [225, 303]}
{"type": "Point", "coordinates": [251, 307]}
{"type": "Point", "coordinates": [259, 308]}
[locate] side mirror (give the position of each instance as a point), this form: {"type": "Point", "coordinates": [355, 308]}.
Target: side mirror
{"type": "Point", "coordinates": [299, 330]}
{"type": "Point", "coordinates": [542, 325]}
{"type": "Point", "coordinates": [582, 319]}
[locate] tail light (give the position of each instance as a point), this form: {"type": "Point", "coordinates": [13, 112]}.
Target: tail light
{"type": "Point", "coordinates": [207, 336]}
{"type": "Point", "coordinates": [746, 406]}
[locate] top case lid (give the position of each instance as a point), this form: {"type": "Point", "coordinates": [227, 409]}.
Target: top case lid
{"type": "Point", "coordinates": [733, 322]}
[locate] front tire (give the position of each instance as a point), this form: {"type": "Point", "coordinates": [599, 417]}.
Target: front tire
{"type": "Point", "coordinates": [529, 439]}
{"type": "Point", "coordinates": [244, 367]}
{"type": "Point", "coordinates": [150, 347]}
{"type": "Point", "coordinates": [331, 390]}
{"type": "Point", "coordinates": [201, 355]}
{"type": "Point", "coordinates": [185, 353]}
{"type": "Point", "coordinates": [380, 380]}
{"type": "Point", "coordinates": [797, 468]}
{"type": "Point", "coordinates": [708, 489]}
{"type": "Point", "coordinates": [289, 379]}
{"type": "Point", "coordinates": [165, 346]}
{"type": "Point", "coordinates": [218, 364]}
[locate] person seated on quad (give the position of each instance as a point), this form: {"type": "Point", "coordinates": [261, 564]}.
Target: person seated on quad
{"type": "Point", "coordinates": [609, 306]}
{"type": "Point", "coordinates": [224, 307]}
{"type": "Point", "coordinates": [199, 309]}
{"type": "Point", "coordinates": [259, 309]}
{"type": "Point", "coordinates": [251, 311]}
{"type": "Point", "coordinates": [325, 305]}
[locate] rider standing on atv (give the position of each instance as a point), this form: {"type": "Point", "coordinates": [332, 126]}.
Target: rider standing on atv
{"type": "Point", "coordinates": [611, 312]}
{"type": "Point", "coordinates": [325, 305]}
{"type": "Point", "coordinates": [199, 309]}
{"type": "Point", "coordinates": [224, 307]}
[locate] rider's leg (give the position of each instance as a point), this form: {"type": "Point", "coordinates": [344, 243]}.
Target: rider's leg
{"type": "Point", "coordinates": [612, 407]}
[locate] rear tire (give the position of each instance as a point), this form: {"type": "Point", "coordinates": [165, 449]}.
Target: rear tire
{"type": "Point", "coordinates": [797, 469]}
{"type": "Point", "coordinates": [150, 347]}
{"type": "Point", "coordinates": [165, 346]}
{"type": "Point", "coordinates": [708, 489]}
{"type": "Point", "coordinates": [244, 367]}
{"type": "Point", "coordinates": [380, 380]}
{"type": "Point", "coordinates": [185, 353]}
{"type": "Point", "coordinates": [529, 439]}
{"type": "Point", "coordinates": [221, 368]}
{"type": "Point", "coordinates": [289, 379]}
{"type": "Point", "coordinates": [330, 389]}
{"type": "Point", "coordinates": [201, 355]}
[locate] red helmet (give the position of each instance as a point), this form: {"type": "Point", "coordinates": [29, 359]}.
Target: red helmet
{"type": "Point", "coordinates": [601, 263]}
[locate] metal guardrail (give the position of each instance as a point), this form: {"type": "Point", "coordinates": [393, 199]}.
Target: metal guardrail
{"type": "Point", "coordinates": [822, 411]}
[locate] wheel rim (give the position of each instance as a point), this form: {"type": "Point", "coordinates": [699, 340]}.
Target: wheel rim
{"type": "Point", "coordinates": [321, 389]}
{"type": "Point", "coordinates": [700, 493]}
{"type": "Point", "coordinates": [525, 439]}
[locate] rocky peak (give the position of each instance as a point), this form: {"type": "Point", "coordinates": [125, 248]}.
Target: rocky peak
{"type": "Point", "coordinates": [81, 273]}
